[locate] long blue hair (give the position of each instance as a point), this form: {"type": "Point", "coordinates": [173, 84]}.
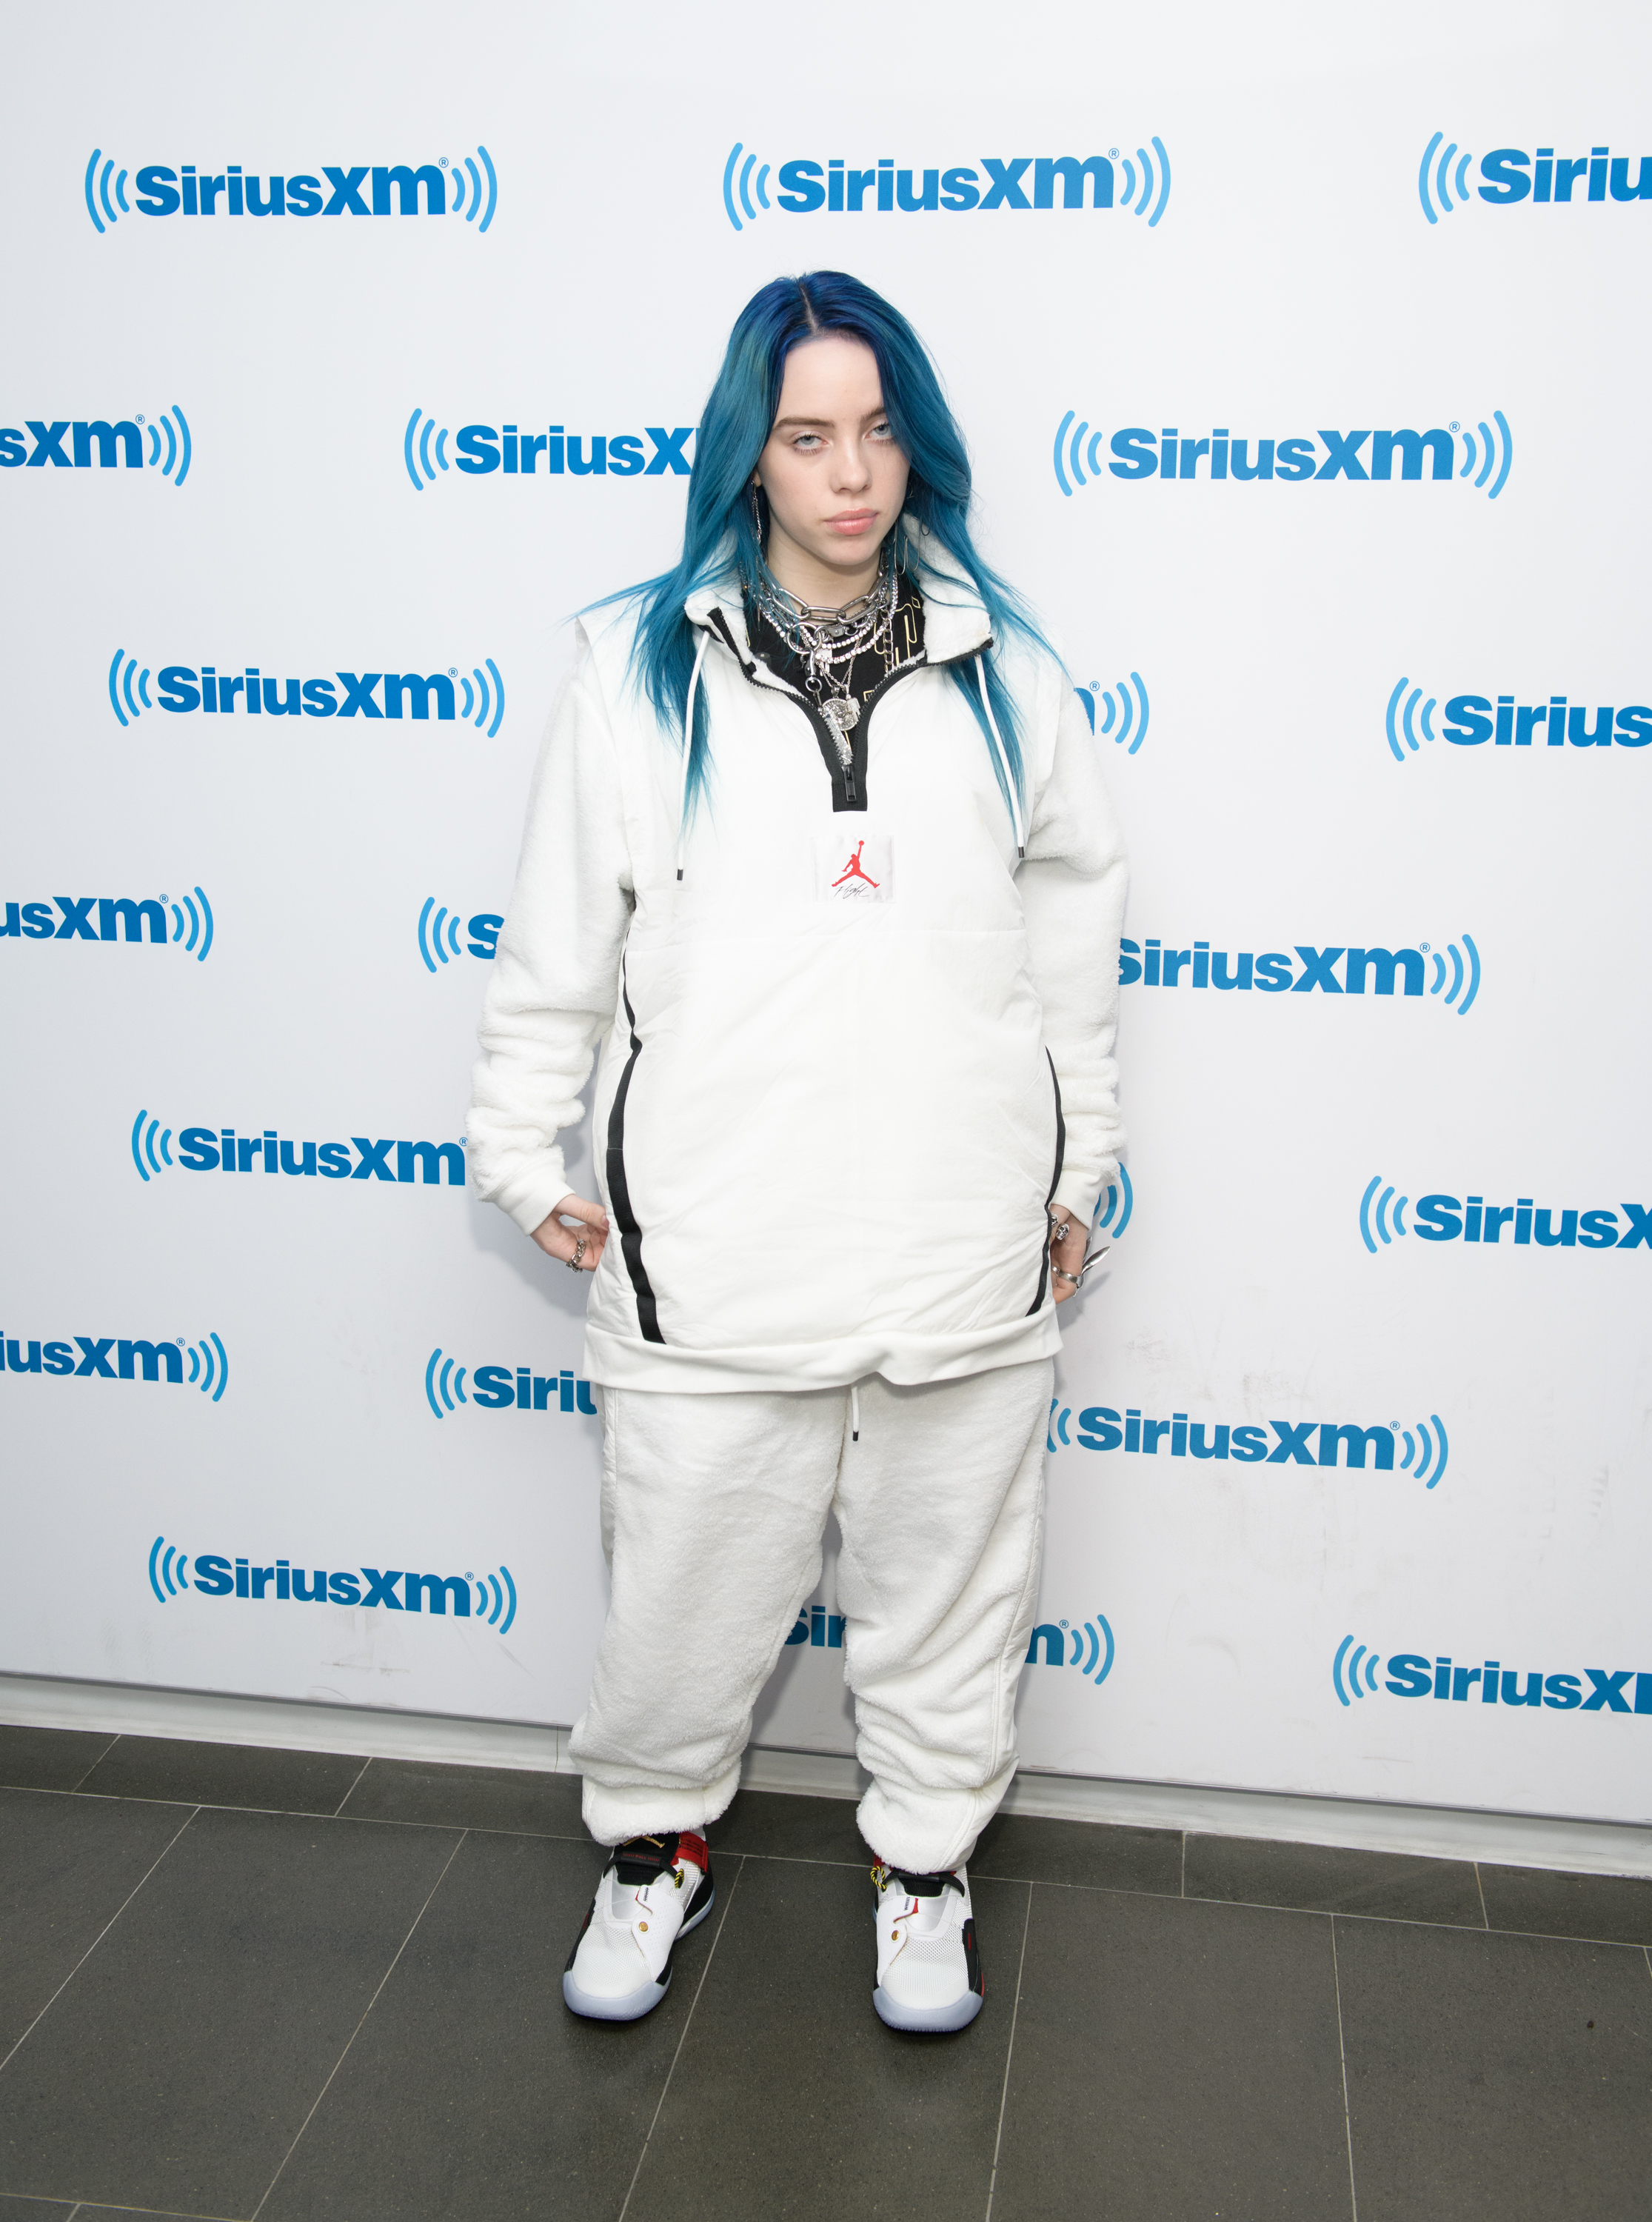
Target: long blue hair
{"type": "Point", "coordinates": [731, 437]}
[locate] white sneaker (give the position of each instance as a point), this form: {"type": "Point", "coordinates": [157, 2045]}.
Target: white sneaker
{"type": "Point", "coordinates": [929, 1970]}
{"type": "Point", "coordinates": [654, 1890]}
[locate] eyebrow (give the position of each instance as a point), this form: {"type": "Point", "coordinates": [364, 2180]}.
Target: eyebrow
{"type": "Point", "coordinates": [826, 422]}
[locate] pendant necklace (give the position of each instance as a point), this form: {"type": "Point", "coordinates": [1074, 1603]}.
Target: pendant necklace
{"type": "Point", "coordinates": [826, 642]}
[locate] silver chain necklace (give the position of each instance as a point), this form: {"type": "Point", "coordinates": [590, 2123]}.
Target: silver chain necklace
{"type": "Point", "coordinates": [826, 642]}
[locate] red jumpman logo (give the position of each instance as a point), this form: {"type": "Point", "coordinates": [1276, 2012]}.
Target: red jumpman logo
{"type": "Point", "coordinates": [854, 871]}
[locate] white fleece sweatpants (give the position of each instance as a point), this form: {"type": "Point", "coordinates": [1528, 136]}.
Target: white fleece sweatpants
{"type": "Point", "coordinates": [713, 1509]}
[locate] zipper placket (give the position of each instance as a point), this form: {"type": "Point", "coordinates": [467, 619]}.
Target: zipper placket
{"type": "Point", "coordinates": [831, 748]}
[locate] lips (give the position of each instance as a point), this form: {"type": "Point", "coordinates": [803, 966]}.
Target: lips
{"type": "Point", "coordinates": [852, 522]}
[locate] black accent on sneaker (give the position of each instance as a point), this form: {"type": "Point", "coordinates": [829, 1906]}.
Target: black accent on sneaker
{"type": "Point", "coordinates": [643, 1859]}
{"type": "Point", "coordinates": [580, 1938]}
{"type": "Point", "coordinates": [973, 1960]}
{"type": "Point", "coordinates": [926, 1885]}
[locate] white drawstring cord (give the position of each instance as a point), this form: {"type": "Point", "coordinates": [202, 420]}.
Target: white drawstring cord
{"type": "Point", "coordinates": [688, 743]}
{"type": "Point", "coordinates": [855, 1413]}
{"type": "Point", "coordinates": [1003, 761]}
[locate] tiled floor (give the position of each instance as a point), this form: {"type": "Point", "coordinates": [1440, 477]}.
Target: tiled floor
{"type": "Point", "coordinates": [292, 1986]}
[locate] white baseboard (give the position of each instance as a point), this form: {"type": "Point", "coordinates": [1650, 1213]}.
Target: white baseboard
{"type": "Point", "coordinates": [1584, 1847]}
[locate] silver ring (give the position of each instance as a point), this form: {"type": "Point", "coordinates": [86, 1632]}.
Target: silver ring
{"type": "Point", "coordinates": [1071, 1279]}
{"type": "Point", "coordinates": [573, 1264]}
{"type": "Point", "coordinates": [1060, 1233]}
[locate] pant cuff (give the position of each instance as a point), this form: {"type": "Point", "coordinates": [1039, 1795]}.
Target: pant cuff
{"type": "Point", "coordinates": [926, 1831]}
{"type": "Point", "coordinates": [613, 1813]}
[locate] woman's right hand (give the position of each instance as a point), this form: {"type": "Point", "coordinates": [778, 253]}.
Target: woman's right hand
{"type": "Point", "coordinates": [585, 1241]}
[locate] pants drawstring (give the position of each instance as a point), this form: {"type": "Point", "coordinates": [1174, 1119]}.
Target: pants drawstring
{"type": "Point", "coordinates": [855, 1413]}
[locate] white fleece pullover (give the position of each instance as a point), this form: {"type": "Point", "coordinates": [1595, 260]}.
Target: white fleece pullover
{"type": "Point", "coordinates": [849, 1057]}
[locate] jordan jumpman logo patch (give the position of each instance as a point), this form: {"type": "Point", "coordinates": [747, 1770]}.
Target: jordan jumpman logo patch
{"type": "Point", "coordinates": [854, 871]}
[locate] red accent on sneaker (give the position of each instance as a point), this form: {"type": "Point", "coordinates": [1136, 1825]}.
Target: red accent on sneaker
{"type": "Point", "coordinates": [692, 1849]}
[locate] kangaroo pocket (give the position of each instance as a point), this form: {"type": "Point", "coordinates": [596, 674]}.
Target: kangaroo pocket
{"type": "Point", "coordinates": [831, 1137]}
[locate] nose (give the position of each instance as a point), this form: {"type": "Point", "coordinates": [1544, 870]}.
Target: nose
{"type": "Point", "coordinates": [854, 471]}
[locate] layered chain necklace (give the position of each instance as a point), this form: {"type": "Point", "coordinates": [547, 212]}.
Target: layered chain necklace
{"type": "Point", "coordinates": [826, 642]}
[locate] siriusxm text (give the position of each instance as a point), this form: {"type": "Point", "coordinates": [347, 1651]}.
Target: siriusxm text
{"type": "Point", "coordinates": [355, 694]}
{"type": "Point", "coordinates": [1472, 719]}
{"type": "Point", "coordinates": [1344, 1442]}
{"type": "Point", "coordinates": [71, 918]}
{"type": "Point", "coordinates": [87, 1357]}
{"type": "Point", "coordinates": [1140, 453]}
{"type": "Point", "coordinates": [994, 182]}
{"type": "Point", "coordinates": [120, 442]}
{"type": "Point", "coordinates": [1272, 973]}
{"type": "Point", "coordinates": [482, 447]}
{"type": "Point", "coordinates": [1513, 175]}
{"type": "Point", "coordinates": [208, 1149]}
{"type": "Point", "coordinates": [1595, 1690]}
{"type": "Point", "coordinates": [507, 1388]}
{"type": "Point", "coordinates": [1440, 1218]}
{"type": "Point", "coordinates": [351, 189]}
{"type": "Point", "coordinates": [397, 1590]}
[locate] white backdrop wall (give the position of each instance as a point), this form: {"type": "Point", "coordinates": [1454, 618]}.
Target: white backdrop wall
{"type": "Point", "coordinates": [1323, 223]}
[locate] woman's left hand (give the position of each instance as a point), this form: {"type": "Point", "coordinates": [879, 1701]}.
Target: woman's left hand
{"type": "Point", "coordinates": [1069, 1236]}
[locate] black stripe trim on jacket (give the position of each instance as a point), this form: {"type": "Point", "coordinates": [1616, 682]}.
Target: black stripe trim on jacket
{"type": "Point", "coordinates": [1055, 1179]}
{"type": "Point", "coordinates": [619, 1192]}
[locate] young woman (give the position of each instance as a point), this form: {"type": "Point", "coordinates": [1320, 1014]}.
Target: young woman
{"type": "Point", "coordinates": [818, 850]}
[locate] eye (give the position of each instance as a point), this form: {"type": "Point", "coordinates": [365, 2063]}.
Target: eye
{"type": "Point", "coordinates": [807, 442]}
{"type": "Point", "coordinates": [881, 430]}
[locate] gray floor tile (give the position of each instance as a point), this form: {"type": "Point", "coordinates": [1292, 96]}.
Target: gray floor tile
{"type": "Point", "coordinates": [1087, 1853]}
{"type": "Point", "coordinates": [67, 1864]}
{"type": "Point", "coordinates": [25, 2210]}
{"type": "Point", "coordinates": [1496, 2079]}
{"type": "Point", "coordinates": [771, 1824]}
{"type": "Point", "coordinates": [791, 2101]}
{"type": "Point", "coordinates": [1610, 1909]}
{"type": "Point", "coordinates": [1330, 1879]}
{"type": "Point", "coordinates": [224, 1774]}
{"type": "Point", "coordinates": [48, 1759]}
{"type": "Point", "coordinates": [472, 2091]}
{"type": "Point", "coordinates": [1174, 2061]}
{"type": "Point", "coordinates": [175, 2069]}
{"type": "Point", "coordinates": [508, 1797]}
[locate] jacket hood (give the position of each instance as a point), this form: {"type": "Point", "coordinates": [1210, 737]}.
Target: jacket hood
{"type": "Point", "coordinates": [955, 624]}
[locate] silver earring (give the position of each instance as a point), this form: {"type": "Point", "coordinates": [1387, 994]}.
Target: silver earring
{"type": "Point", "coordinates": [757, 511]}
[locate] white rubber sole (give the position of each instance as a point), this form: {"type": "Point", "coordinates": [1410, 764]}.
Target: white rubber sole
{"type": "Point", "coordinates": [939, 2021]}
{"type": "Point", "coordinates": [642, 2000]}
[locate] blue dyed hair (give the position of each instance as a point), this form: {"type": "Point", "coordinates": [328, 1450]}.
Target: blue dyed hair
{"type": "Point", "coordinates": [731, 437]}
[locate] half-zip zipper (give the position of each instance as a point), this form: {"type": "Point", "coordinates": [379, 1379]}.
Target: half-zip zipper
{"type": "Point", "coordinates": [848, 778]}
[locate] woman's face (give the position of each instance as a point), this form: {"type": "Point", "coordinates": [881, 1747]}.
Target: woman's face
{"type": "Point", "coordinates": [835, 477]}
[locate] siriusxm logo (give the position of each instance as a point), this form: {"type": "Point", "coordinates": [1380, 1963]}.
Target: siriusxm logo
{"type": "Point", "coordinates": [1413, 1674]}
{"type": "Point", "coordinates": [184, 689]}
{"type": "Point", "coordinates": [818, 1627]}
{"type": "Point", "coordinates": [364, 189]}
{"type": "Point", "coordinates": [86, 1359]}
{"type": "Point", "coordinates": [1341, 1442]}
{"type": "Point", "coordinates": [1139, 453]}
{"type": "Point", "coordinates": [503, 1389]}
{"type": "Point", "coordinates": [221, 1575]}
{"type": "Point", "coordinates": [120, 442]}
{"type": "Point", "coordinates": [1271, 972]}
{"type": "Point", "coordinates": [1440, 1218]}
{"type": "Point", "coordinates": [1602, 175]}
{"type": "Point", "coordinates": [803, 187]}
{"type": "Point", "coordinates": [439, 931]}
{"type": "Point", "coordinates": [1089, 1647]}
{"type": "Point", "coordinates": [479, 450]}
{"type": "Point", "coordinates": [209, 1149]}
{"type": "Point", "coordinates": [1472, 719]}
{"type": "Point", "coordinates": [120, 918]}
{"type": "Point", "coordinates": [1125, 706]}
